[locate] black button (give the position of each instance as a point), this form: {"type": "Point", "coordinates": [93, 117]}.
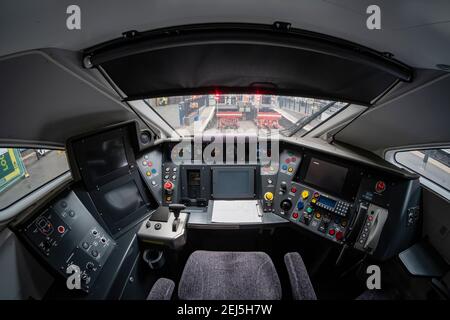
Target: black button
{"type": "Point", "coordinates": [85, 245]}
{"type": "Point", "coordinates": [94, 253]}
{"type": "Point", "coordinates": [63, 204]}
{"type": "Point", "coordinates": [157, 226]}
{"type": "Point", "coordinates": [71, 213]}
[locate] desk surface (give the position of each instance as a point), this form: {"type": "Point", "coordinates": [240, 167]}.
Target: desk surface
{"type": "Point", "coordinates": [201, 218]}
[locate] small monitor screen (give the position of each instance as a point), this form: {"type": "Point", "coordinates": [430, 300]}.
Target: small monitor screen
{"type": "Point", "coordinates": [326, 175]}
{"type": "Point", "coordinates": [233, 183]}
{"type": "Point", "coordinates": [105, 157]}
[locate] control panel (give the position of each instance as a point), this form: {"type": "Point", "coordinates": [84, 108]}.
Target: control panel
{"type": "Point", "coordinates": [66, 235]}
{"type": "Point", "coordinates": [322, 214]}
{"type": "Point", "coordinates": [371, 228]}
{"type": "Point", "coordinates": [286, 191]}
{"type": "Point", "coordinates": [170, 183]}
{"type": "Point", "coordinates": [150, 168]}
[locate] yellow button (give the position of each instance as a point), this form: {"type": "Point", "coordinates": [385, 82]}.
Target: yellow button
{"type": "Point", "coordinates": [290, 169]}
{"type": "Point", "coordinates": [314, 200]}
{"type": "Point", "coordinates": [168, 198]}
{"type": "Point", "coordinates": [317, 215]}
{"type": "Point", "coordinates": [268, 196]}
{"type": "Point", "coordinates": [148, 173]}
{"type": "Point", "coordinates": [305, 194]}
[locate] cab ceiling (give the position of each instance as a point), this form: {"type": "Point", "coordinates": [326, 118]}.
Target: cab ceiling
{"type": "Point", "coordinates": [415, 31]}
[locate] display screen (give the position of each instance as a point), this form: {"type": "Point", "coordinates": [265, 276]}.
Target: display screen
{"type": "Point", "coordinates": [326, 175]}
{"type": "Point", "coordinates": [105, 157]}
{"type": "Point", "coordinates": [121, 201]}
{"type": "Point", "coordinates": [327, 201]}
{"type": "Point", "coordinates": [233, 183]}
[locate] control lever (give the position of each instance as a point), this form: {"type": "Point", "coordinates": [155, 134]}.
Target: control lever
{"type": "Point", "coordinates": [176, 208]}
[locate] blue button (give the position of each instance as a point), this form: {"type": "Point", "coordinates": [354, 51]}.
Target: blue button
{"type": "Point", "coordinates": [153, 171]}
{"type": "Point", "coordinates": [284, 167]}
{"type": "Point", "coordinates": [300, 205]}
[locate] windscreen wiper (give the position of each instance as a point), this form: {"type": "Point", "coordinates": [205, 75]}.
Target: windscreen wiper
{"type": "Point", "coordinates": [300, 124]}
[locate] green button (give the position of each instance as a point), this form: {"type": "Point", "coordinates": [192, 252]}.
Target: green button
{"type": "Point", "coordinates": [309, 209]}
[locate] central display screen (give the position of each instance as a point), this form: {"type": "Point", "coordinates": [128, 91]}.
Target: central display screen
{"type": "Point", "coordinates": [233, 182]}
{"type": "Point", "coordinates": [326, 175]}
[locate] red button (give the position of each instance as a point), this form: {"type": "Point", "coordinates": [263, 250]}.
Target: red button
{"type": "Point", "coordinates": [293, 159]}
{"type": "Point", "coordinates": [339, 235]}
{"type": "Point", "coordinates": [380, 186]}
{"type": "Point", "coordinates": [293, 190]}
{"type": "Point", "coordinates": [61, 229]}
{"type": "Point", "coordinates": [370, 218]}
{"type": "Point", "coordinates": [295, 215]}
{"type": "Point", "coordinates": [168, 185]}
{"type": "Point", "coordinates": [331, 232]}
{"type": "Point", "coordinates": [287, 160]}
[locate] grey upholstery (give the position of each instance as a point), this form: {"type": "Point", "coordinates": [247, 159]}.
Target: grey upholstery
{"type": "Point", "coordinates": [161, 290]}
{"type": "Point", "coordinates": [212, 275]}
{"type": "Point", "coordinates": [301, 286]}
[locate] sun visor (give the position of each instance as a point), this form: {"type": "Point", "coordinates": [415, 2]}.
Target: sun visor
{"type": "Point", "coordinates": [235, 58]}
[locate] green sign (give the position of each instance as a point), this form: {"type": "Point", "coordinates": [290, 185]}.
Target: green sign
{"type": "Point", "coordinates": [11, 167]}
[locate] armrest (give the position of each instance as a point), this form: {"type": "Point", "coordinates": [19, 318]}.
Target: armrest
{"type": "Point", "coordinates": [161, 290]}
{"type": "Point", "coordinates": [301, 286]}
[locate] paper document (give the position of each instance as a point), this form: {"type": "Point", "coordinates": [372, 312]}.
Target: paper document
{"type": "Point", "coordinates": [236, 211]}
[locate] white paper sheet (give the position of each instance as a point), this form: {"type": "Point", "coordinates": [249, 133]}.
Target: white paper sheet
{"type": "Point", "coordinates": [236, 211]}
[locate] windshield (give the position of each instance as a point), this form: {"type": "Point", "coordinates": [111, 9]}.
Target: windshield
{"type": "Point", "coordinates": [243, 113]}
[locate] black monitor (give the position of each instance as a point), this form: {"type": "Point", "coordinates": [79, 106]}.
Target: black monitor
{"type": "Point", "coordinates": [233, 182]}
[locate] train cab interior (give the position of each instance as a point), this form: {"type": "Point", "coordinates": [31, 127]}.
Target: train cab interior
{"type": "Point", "coordinates": [228, 151]}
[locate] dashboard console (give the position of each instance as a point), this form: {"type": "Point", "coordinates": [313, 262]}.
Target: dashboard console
{"type": "Point", "coordinates": [120, 187]}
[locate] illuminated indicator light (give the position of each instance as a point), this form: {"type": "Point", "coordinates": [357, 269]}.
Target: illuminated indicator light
{"type": "Point", "coordinates": [290, 169]}
{"type": "Point", "coordinates": [295, 215]}
{"type": "Point", "coordinates": [168, 198]}
{"type": "Point", "coordinates": [331, 232]}
{"type": "Point", "coordinates": [148, 173]}
{"type": "Point", "coordinates": [61, 229]}
{"type": "Point", "coordinates": [305, 194]}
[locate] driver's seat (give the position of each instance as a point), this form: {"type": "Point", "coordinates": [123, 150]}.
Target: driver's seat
{"type": "Point", "coordinates": [215, 275]}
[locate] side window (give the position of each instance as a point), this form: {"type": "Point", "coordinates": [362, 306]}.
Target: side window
{"type": "Point", "coordinates": [24, 170]}
{"type": "Point", "coordinates": [432, 164]}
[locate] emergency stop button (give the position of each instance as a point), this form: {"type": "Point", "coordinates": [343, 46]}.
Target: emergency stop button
{"type": "Point", "coordinates": [168, 186]}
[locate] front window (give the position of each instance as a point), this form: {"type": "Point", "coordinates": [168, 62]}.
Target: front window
{"type": "Point", "coordinates": [243, 113]}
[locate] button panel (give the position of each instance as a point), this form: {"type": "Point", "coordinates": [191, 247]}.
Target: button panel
{"type": "Point", "coordinates": [322, 214]}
